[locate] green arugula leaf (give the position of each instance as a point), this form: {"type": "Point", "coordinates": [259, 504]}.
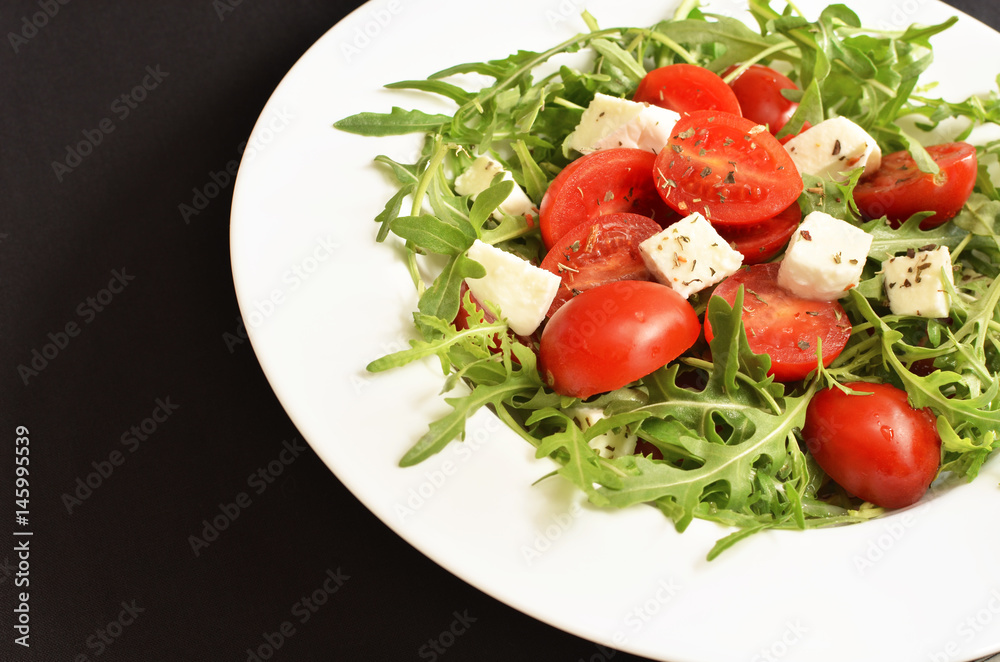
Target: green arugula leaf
{"type": "Point", "coordinates": [395, 123]}
{"type": "Point", "coordinates": [435, 235]}
{"type": "Point", "coordinates": [453, 92]}
{"type": "Point", "coordinates": [535, 181]}
{"type": "Point", "coordinates": [583, 467]}
{"type": "Point", "coordinates": [739, 43]}
{"type": "Point", "coordinates": [404, 174]}
{"type": "Point", "coordinates": [391, 211]}
{"type": "Point", "coordinates": [487, 201]}
{"type": "Point", "coordinates": [829, 196]}
{"type": "Point", "coordinates": [888, 241]}
{"type": "Point", "coordinates": [980, 216]}
{"type": "Point", "coordinates": [617, 56]}
{"type": "Point", "coordinates": [441, 432]}
{"type": "Point", "coordinates": [420, 349]}
{"type": "Point", "coordinates": [441, 299]}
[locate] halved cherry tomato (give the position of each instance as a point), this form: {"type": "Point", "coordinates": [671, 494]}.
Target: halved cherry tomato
{"type": "Point", "coordinates": [762, 241]}
{"type": "Point", "coordinates": [685, 88]}
{"type": "Point", "coordinates": [600, 251]}
{"type": "Point", "coordinates": [898, 189]}
{"type": "Point", "coordinates": [728, 168]}
{"type": "Point", "coordinates": [609, 181]}
{"type": "Point", "coordinates": [876, 446]}
{"type": "Point", "coordinates": [758, 90]}
{"type": "Point", "coordinates": [782, 325]}
{"type": "Point", "coordinates": [615, 334]}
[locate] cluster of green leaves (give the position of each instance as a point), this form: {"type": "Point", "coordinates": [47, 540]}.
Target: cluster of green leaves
{"type": "Point", "coordinates": [726, 431]}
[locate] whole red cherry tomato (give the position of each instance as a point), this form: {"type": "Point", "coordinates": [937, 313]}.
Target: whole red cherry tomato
{"type": "Point", "coordinates": [876, 446]}
{"type": "Point", "coordinates": [758, 90]}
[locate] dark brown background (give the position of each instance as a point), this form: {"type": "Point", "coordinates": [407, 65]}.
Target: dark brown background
{"type": "Point", "coordinates": [163, 336]}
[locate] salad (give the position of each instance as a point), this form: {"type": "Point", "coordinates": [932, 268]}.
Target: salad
{"type": "Point", "coordinates": [710, 268]}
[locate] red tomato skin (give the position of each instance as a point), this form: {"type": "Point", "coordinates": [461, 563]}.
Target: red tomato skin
{"type": "Point", "coordinates": [763, 241]}
{"type": "Point", "coordinates": [877, 447]}
{"type": "Point", "coordinates": [685, 88]}
{"type": "Point", "coordinates": [778, 322]}
{"type": "Point", "coordinates": [615, 334]}
{"type": "Point", "coordinates": [599, 251]}
{"type": "Point", "coordinates": [758, 89]}
{"type": "Point", "coordinates": [727, 168]}
{"type": "Point", "coordinates": [608, 181]}
{"type": "Point", "coordinates": [898, 189]}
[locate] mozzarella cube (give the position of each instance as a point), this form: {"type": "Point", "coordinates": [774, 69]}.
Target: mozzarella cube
{"type": "Point", "coordinates": [832, 148]}
{"type": "Point", "coordinates": [478, 177]}
{"type": "Point", "coordinates": [649, 131]}
{"type": "Point", "coordinates": [522, 291]}
{"type": "Point", "coordinates": [610, 122]}
{"type": "Point", "coordinates": [824, 258]}
{"type": "Point", "coordinates": [690, 255]}
{"type": "Point", "coordinates": [914, 283]}
{"type": "Point", "coordinates": [611, 444]}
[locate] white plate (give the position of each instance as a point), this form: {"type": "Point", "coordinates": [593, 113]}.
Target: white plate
{"type": "Point", "coordinates": [321, 300]}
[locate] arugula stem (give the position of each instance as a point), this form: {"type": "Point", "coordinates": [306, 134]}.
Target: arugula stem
{"type": "Point", "coordinates": [856, 357]}
{"type": "Point", "coordinates": [861, 327]}
{"type": "Point", "coordinates": [685, 9]}
{"type": "Point", "coordinates": [795, 8]}
{"type": "Point", "coordinates": [767, 52]}
{"type": "Point", "coordinates": [440, 151]}
{"type": "Point", "coordinates": [513, 424]}
{"type": "Point", "coordinates": [961, 247]}
{"type": "Point", "coordinates": [672, 45]}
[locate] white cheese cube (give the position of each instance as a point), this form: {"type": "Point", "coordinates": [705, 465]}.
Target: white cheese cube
{"type": "Point", "coordinates": [832, 148]}
{"type": "Point", "coordinates": [649, 131]}
{"type": "Point", "coordinates": [610, 122]}
{"type": "Point", "coordinates": [611, 444]}
{"type": "Point", "coordinates": [478, 177]}
{"type": "Point", "coordinates": [690, 255]}
{"type": "Point", "coordinates": [824, 258]}
{"type": "Point", "coordinates": [914, 283]}
{"type": "Point", "coordinates": [522, 291]}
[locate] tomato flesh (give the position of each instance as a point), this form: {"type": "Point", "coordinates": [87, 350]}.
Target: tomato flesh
{"type": "Point", "coordinates": [609, 181]}
{"type": "Point", "coordinates": [599, 251]}
{"type": "Point", "coordinates": [877, 447]}
{"type": "Point", "coordinates": [685, 88]}
{"type": "Point", "coordinates": [760, 242]}
{"type": "Point", "coordinates": [728, 168]}
{"type": "Point", "coordinates": [758, 90]}
{"type": "Point", "coordinates": [615, 334]}
{"type": "Point", "coordinates": [782, 325]}
{"type": "Point", "coordinates": [898, 189]}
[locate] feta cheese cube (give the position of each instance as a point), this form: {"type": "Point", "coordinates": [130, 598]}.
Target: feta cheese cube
{"type": "Point", "coordinates": [522, 291]}
{"type": "Point", "coordinates": [610, 122]}
{"type": "Point", "coordinates": [611, 444]}
{"type": "Point", "coordinates": [914, 283]}
{"type": "Point", "coordinates": [832, 148]}
{"type": "Point", "coordinates": [824, 258]}
{"type": "Point", "coordinates": [690, 255]}
{"type": "Point", "coordinates": [478, 177]}
{"type": "Point", "coordinates": [649, 131]}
